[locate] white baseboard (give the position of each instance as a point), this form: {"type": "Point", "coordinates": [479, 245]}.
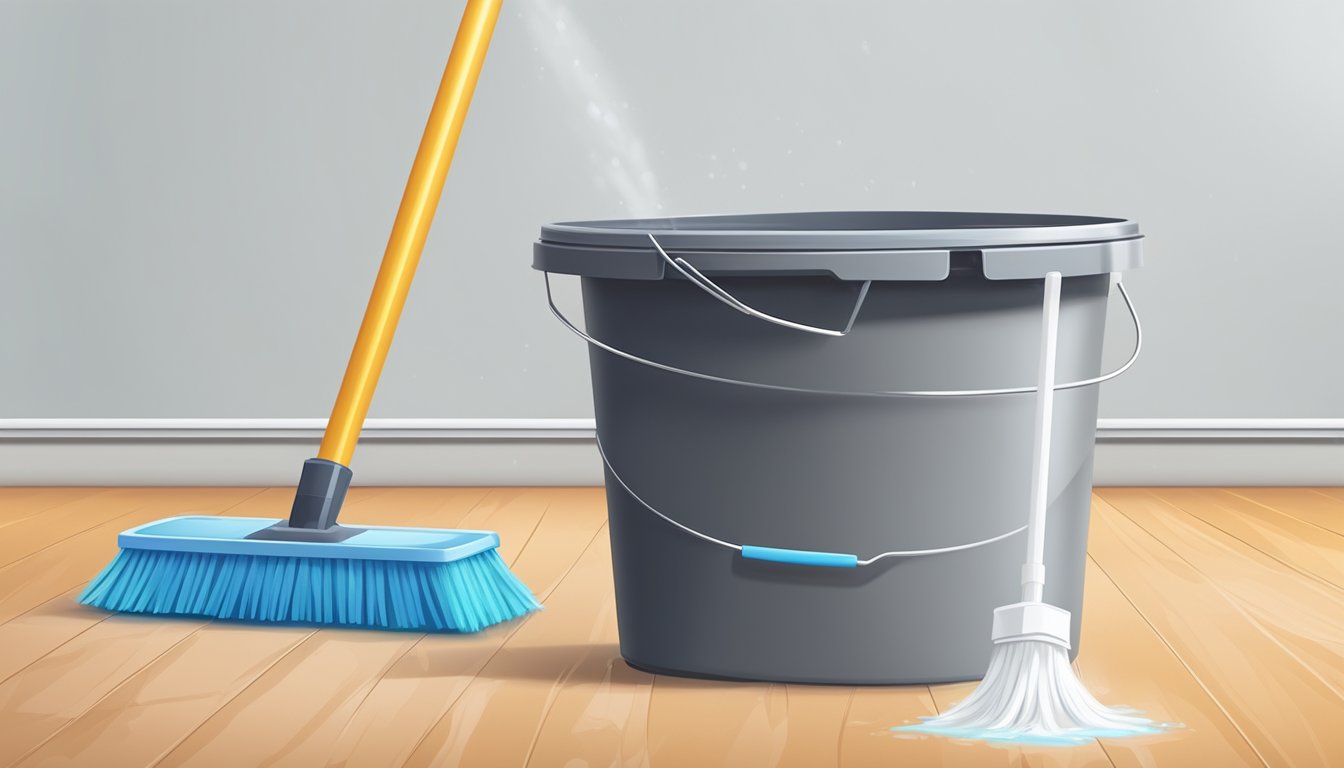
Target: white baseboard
{"type": "Point", "coordinates": [561, 451]}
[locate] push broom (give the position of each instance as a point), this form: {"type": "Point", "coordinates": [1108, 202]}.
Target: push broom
{"type": "Point", "coordinates": [310, 569]}
{"type": "Point", "coordinates": [1030, 692]}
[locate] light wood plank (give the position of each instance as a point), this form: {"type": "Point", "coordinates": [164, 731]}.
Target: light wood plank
{"type": "Point", "coordinates": [816, 721]}
{"type": "Point", "coordinates": [599, 713]}
{"type": "Point", "coordinates": [42, 496]}
{"type": "Point", "coordinates": [495, 719]}
{"type": "Point", "coordinates": [20, 503]}
{"type": "Point", "coordinates": [166, 698]}
{"type": "Point", "coordinates": [13, 497]}
{"type": "Point", "coordinates": [870, 715]}
{"type": "Point", "coordinates": [53, 570]}
{"type": "Point", "coordinates": [71, 674]}
{"type": "Point", "coordinates": [425, 684]}
{"type": "Point", "coordinates": [1320, 509]}
{"type": "Point", "coordinates": [1297, 545]}
{"type": "Point", "coordinates": [112, 662]}
{"type": "Point", "coordinates": [1303, 615]}
{"type": "Point", "coordinates": [1332, 492]}
{"type": "Point", "coordinates": [698, 722]}
{"type": "Point", "coordinates": [1287, 711]}
{"type": "Point", "coordinates": [50, 693]}
{"type": "Point", "coordinates": [590, 706]}
{"type": "Point", "coordinates": [600, 705]}
{"type": "Point", "coordinates": [295, 707]}
{"type": "Point", "coordinates": [35, 633]}
{"type": "Point", "coordinates": [170, 698]}
{"type": "Point", "coordinates": [1123, 662]}
{"type": "Point", "coordinates": [692, 722]}
{"type": "Point", "coordinates": [32, 534]}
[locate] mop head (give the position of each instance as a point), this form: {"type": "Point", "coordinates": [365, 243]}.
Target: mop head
{"type": "Point", "coordinates": [1030, 693]}
{"type": "Point", "coordinates": [382, 577]}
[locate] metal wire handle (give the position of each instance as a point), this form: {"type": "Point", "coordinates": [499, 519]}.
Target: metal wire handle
{"type": "Point", "coordinates": [698, 278]}
{"type": "Point", "coordinates": [802, 556]}
{"type": "Point", "coordinates": [1129, 305]}
{"type": "Point", "coordinates": [797, 556]}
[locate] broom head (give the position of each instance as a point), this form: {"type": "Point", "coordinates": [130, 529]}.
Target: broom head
{"type": "Point", "coordinates": [381, 577]}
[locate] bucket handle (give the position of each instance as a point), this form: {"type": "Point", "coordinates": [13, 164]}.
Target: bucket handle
{"type": "Point", "coordinates": [798, 556]}
{"type": "Point", "coordinates": [1129, 306]}
{"type": "Point", "coordinates": [698, 278]}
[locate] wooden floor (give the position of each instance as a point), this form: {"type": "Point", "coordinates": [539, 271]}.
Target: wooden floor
{"type": "Point", "coordinates": [1222, 609]}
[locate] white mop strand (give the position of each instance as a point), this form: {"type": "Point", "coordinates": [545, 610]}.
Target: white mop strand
{"type": "Point", "coordinates": [1030, 692]}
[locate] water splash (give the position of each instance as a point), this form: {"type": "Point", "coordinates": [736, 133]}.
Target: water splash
{"type": "Point", "coordinates": [1073, 738]}
{"type": "Point", "coordinates": [1031, 694]}
{"type": "Point", "coordinates": [622, 163]}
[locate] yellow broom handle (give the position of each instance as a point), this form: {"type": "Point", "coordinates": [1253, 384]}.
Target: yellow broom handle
{"type": "Point", "coordinates": [409, 230]}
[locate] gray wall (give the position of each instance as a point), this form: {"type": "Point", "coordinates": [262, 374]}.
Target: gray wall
{"type": "Point", "coordinates": [194, 195]}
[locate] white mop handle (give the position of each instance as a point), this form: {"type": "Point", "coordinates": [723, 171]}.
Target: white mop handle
{"type": "Point", "coordinates": [1033, 572]}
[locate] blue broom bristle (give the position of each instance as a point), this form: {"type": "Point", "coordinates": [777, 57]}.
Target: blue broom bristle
{"type": "Point", "coordinates": [465, 595]}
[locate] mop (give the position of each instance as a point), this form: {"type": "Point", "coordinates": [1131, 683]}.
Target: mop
{"type": "Point", "coordinates": [309, 569]}
{"type": "Point", "coordinates": [1030, 692]}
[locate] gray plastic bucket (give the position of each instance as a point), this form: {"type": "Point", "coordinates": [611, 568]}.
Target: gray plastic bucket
{"type": "Point", "coordinates": [735, 428]}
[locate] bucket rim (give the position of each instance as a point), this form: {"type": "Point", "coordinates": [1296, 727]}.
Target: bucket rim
{"type": "Point", "coordinates": [847, 245]}
{"type": "Point", "coordinates": [843, 230]}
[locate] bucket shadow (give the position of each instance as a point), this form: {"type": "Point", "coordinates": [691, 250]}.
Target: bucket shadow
{"type": "Point", "coordinates": [574, 663]}
{"type": "Point", "coordinates": [580, 664]}
{"type": "Point", "coordinates": [596, 664]}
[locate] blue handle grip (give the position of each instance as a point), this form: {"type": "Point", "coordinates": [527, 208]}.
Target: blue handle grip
{"type": "Point", "coordinates": [800, 557]}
